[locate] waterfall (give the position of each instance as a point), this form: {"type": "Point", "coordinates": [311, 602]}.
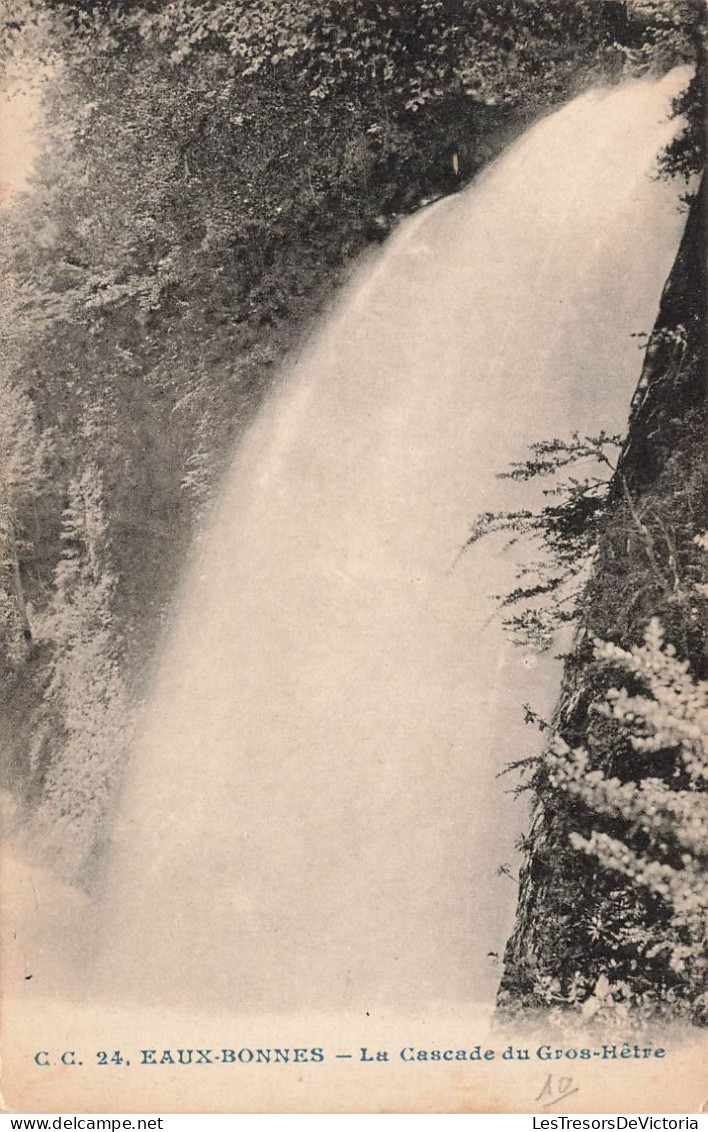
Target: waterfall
{"type": "Point", "coordinates": [312, 817]}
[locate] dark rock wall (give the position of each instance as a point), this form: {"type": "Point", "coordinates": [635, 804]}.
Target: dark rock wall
{"type": "Point", "coordinates": [570, 912]}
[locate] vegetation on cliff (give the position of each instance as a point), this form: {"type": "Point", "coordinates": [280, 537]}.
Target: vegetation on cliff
{"type": "Point", "coordinates": [207, 174]}
{"type": "Point", "coordinates": [613, 901]}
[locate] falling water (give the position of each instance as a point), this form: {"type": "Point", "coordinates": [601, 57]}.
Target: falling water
{"type": "Point", "coordinates": [312, 818]}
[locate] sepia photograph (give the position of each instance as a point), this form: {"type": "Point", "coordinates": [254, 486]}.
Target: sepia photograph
{"type": "Point", "coordinates": [354, 572]}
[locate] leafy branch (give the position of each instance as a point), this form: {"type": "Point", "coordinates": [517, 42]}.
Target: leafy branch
{"type": "Point", "coordinates": [566, 529]}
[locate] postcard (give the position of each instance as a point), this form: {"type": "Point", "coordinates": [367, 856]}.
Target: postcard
{"type": "Point", "coordinates": [353, 604]}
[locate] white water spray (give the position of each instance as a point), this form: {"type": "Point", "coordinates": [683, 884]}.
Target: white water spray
{"type": "Point", "coordinates": [312, 818]}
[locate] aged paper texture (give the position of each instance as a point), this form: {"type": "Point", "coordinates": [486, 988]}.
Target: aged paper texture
{"type": "Point", "coordinates": [353, 593]}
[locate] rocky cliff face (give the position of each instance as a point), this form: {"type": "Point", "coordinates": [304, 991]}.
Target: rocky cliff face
{"type": "Point", "coordinates": [579, 924]}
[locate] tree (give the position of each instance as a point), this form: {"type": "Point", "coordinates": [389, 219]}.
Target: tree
{"type": "Point", "coordinates": [564, 532]}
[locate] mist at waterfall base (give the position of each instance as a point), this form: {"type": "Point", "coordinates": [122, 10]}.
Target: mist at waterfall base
{"type": "Point", "coordinates": [312, 817]}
